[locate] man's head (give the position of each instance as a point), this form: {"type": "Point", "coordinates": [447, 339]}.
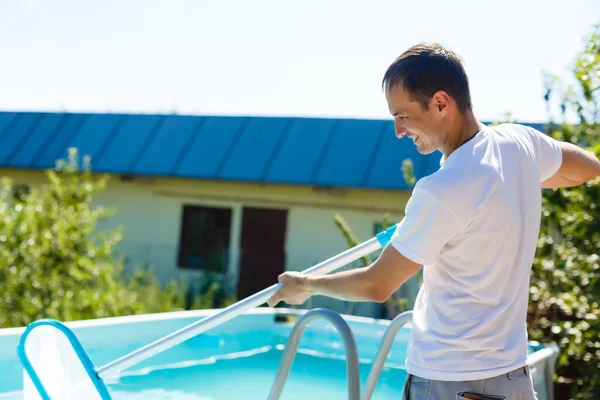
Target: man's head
{"type": "Point", "coordinates": [427, 91]}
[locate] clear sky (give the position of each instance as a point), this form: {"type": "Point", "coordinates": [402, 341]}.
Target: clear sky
{"type": "Point", "coordinates": [259, 57]}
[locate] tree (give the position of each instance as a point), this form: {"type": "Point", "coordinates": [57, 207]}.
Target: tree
{"type": "Point", "coordinates": [55, 264]}
{"type": "Point", "coordinates": [565, 287]}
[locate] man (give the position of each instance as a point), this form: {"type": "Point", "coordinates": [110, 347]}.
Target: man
{"type": "Point", "coordinates": [472, 226]}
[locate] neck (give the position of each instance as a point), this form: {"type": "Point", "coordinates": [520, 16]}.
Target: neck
{"type": "Point", "coordinates": [464, 127]}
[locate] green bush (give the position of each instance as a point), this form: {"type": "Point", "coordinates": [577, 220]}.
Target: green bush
{"type": "Point", "coordinates": [565, 287]}
{"type": "Point", "coordinates": [55, 264]}
{"type": "Point", "coordinates": [209, 292]}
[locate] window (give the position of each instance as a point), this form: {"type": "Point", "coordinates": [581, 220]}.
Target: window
{"type": "Point", "coordinates": [204, 241]}
{"type": "Point", "coordinates": [21, 191]}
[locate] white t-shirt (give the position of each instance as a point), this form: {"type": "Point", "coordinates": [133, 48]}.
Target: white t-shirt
{"type": "Point", "coordinates": [474, 226]}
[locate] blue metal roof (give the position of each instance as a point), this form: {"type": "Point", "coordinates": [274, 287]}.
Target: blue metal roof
{"type": "Point", "coordinates": [301, 150]}
{"type": "Point", "coordinates": [210, 148]}
{"type": "Point", "coordinates": [306, 151]}
{"type": "Point", "coordinates": [5, 119]}
{"type": "Point", "coordinates": [56, 147]}
{"type": "Point", "coordinates": [127, 143]}
{"type": "Point", "coordinates": [35, 142]}
{"type": "Point", "coordinates": [249, 159]}
{"type": "Point", "coordinates": [160, 155]}
{"type": "Point", "coordinates": [95, 133]}
{"type": "Point", "coordinates": [11, 139]}
{"type": "Point", "coordinates": [350, 153]}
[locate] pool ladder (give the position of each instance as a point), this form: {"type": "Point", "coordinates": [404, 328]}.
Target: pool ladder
{"type": "Point", "coordinates": [352, 371]}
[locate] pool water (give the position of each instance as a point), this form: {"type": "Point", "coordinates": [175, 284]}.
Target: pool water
{"type": "Point", "coordinates": [238, 360]}
{"type": "Point", "coordinates": [245, 375]}
{"type": "Point", "coordinates": [251, 377]}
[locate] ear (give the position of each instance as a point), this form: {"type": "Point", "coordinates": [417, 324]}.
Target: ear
{"type": "Point", "coordinates": [441, 102]}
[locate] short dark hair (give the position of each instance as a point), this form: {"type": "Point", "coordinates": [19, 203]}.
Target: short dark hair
{"type": "Point", "coordinates": [426, 68]}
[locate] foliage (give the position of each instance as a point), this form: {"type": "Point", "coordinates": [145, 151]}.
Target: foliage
{"type": "Point", "coordinates": [565, 287]}
{"type": "Point", "coordinates": [409, 172]}
{"type": "Point", "coordinates": [349, 236]}
{"type": "Point", "coordinates": [209, 292]}
{"type": "Point", "coordinates": [54, 263]}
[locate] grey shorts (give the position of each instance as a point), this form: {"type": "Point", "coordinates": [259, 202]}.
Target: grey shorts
{"type": "Point", "coordinates": [514, 385]}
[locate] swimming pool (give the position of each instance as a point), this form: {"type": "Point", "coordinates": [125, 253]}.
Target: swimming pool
{"type": "Point", "coordinates": [239, 358]}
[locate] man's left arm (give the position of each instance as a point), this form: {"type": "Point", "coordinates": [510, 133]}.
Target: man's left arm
{"type": "Point", "coordinates": [578, 166]}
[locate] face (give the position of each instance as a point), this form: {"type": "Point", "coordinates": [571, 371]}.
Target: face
{"type": "Point", "coordinates": [426, 128]}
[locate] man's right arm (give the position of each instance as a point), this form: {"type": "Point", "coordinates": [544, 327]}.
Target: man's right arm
{"type": "Point", "coordinates": [578, 166]}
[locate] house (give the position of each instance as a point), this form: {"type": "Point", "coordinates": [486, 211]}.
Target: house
{"type": "Point", "coordinates": [247, 197]}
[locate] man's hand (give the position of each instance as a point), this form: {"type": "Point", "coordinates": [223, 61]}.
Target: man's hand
{"type": "Point", "coordinates": [294, 289]}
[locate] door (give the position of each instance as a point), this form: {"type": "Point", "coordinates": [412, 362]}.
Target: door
{"type": "Point", "coordinates": [262, 252]}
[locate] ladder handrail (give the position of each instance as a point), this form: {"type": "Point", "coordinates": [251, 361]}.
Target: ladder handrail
{"type": "Point", "coordinates": [386, 343]}
{"type": "Point", "coordinates": [352, 371]}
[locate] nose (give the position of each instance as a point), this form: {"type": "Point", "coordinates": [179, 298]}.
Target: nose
{"type": "Point", "coordinates": [400, 129]}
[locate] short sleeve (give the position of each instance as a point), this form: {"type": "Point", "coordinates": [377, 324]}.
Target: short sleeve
{"type": "Point", "coordinates": [427, 226]}
{"type": "Point", "coordinates": [547, 152]}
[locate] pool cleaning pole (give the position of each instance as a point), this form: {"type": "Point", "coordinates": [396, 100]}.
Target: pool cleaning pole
{"type": "Point", "coordinates": [241, 306]}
